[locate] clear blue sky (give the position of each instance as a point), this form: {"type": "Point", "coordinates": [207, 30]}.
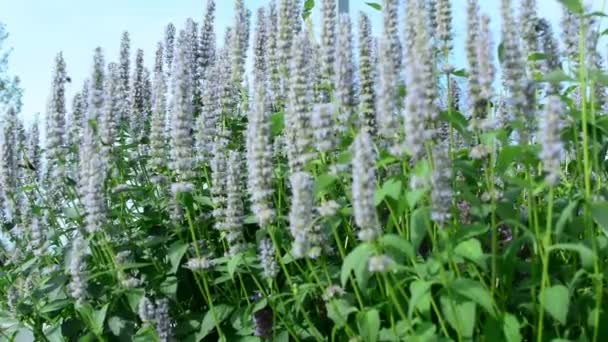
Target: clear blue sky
{"type": "Point", "coordinates": [40, 28]}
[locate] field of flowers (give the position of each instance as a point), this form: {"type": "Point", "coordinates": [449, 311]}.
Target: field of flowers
{"type": "Point", "coordinates": [349, 187]}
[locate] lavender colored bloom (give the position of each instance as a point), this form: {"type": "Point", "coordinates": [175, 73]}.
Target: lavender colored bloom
{"type": "Point", "coordinates": [234, 211]}
{"type": "Point", "coordinates": [92, 169]}
{"type": "Point", "coordinates": [240, 42]}
{"type": "Point", "coordinates": [259, 160]}
{"type": "Point", "coordinates": [528, 19]}
{"type": "Point", "coordinates": [169, 48]}
{"type": "Point", "coordinates": [364, 187]}
{"type": "Point", "coordinates": [77, 270]}
{"type": "Point", "coordinates": [56, 117]}
{"type": "Point", "coordinates": [125, 73]}
{"type": "Point", "coordinates": [486, 66]}
{"type": "Point", "coordinates": [346, 93]}
{"type": "Point", "coordinates": [552, 148]}
{"type": "Point", "coordinates": [260, 56]}
{"type": "Point", "coordinates": [393, 49]}
{"type": "Point", "coordinates": [322, 126]}
{"type": "Point", "coordinates": [138, 113]}
{"type": "Point", "coordinates": [206, 44]}
{"type": "Point", "coordinates": [298, 120]}
{"type": "Point", "coordinates": [267, 259]}
{"type": "Point", "coordinates": [162, 320]}
{"type": "Point", "coordinates": [158, 138]}
{"type": "Point", "coordinates": [146, 309]}
{"type": "Point", "coordinates": [301, 217]}
{"type": "Point", "coordinates": [183, 117]}
{"type": "Point", "coordinates": [386, 102]}
{"type": "Point", "coordinates": [366, 75]}
{"type": "Point", "coordinates": [328, 43]}
{"type": "Point", "coordinates": [514, 65]}
{"type": "Point", "coordinates": [441, 193]}
{"type": "Point", "coordinates": [444, 24]}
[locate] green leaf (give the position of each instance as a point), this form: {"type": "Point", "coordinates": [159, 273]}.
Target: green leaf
{"type": "Point", "coordinates": [420, 225]}
{"type": "Point", "coordinates": [556, 76]}
{"type": "Point", "coordinates": [233, 263]}
{"type": "Point", "coordinates": [308, 6]}
{"type": "Point", "coordinates": [374, 5]}
{"type": "Point", "coordinates": [176, 253]}
{"type": "Point", "coordinates": [323, 182]}
{"type": "Point", "coordinates": [55, 305]}
{"type": "Point", "coordinates": [278, 123]}
{"type": "Point", "coordinates": [391, 188]}
{"type": "Point", "coordinates": [338, 311]}
{"type": "Point", "coordinates": [398, 247]}
{"type": "Point", "coordinates": [53, 333]}
{"type": "Point", "coordinates": [507, 155]}
{"type": "Point", "coordinates": [98, 318]}
{"type": "Point", "coordinates": [537, 56]}
{"type": "Point", "coordinates": [356, 261]}
{"type": "Point", "coordinates": [460, 73]}
{"type": "Point", "coordinates": [471, 250]}
{"type": "Point", "coordinates": [460, 315]}
{"type": "Point", "coordinates": [586, 254]}
{"type": "Point", "coordinates": [146, 333]}
{"type": "Point", "coordinates": [169, 286]}
{"type": "Point", "coordinates": [222, 311]}
{"type": "Point", "coordinates": [599, 211]}
{"type": "Point", "coordinates": [556, 301]}
{"type": "Point", "coordinates": [574, 6]}
{"type": "Point", "coordinates": [413, 196]}
{"type": "Point", "coordinates": [510, 327]}
{"type": "Point", "coordinates": [501, 52]}
{"type": "Point", "coordinates": [565, 217]}
{"type": "Point", "coordinates": [421, 297]}
{"type": "Point", "coordinates": [369, 325]}
{"type": "Point", "coordinates": [474, 291]}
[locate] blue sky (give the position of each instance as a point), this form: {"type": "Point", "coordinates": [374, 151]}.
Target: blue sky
{"type": "Point", "coordinates": [40, 28]}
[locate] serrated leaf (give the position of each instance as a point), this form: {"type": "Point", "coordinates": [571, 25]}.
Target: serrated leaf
{"type": "Point", "coordinates": [398, 247]}
{"type": "Point", "coordinates": [369, 325]}
{"type": "Point", "coordinates": [421, 297]}
{"type": "Point", "coordinates": [233, 263]}
{"type": "Point", "coordinates": [556, 301]}
{"type": "Point", "coordinates": [471, 250]}
{"type": "Point", "coordinates": [510, 327]}
{"type": "Point", "coordinates": [356, 261]}
{"type": "Point", "coordinates": [338, 311]}
{"type": "Point", "coordinates": [565, 216]}
{"type": "Point", "coordinates": [176, 253]}
{"type": "Point", "coordinates": [222, 311]}
{"type": "Point", "coordinates": [420, 225]}
{"type": "Point", "coordinates": [474, 291]}
{"type": "Point", "coordinates": [599, 211]}
{"type": "Point", "coordinates": [55, 305]}
{"type": "Point", "coordinates": [98, 317]}
{"type": "Point", "coordinates": [460, 315]}
{"type": "Point", "coordinates": [391, 188]}
{"type": "Point", "coordinates": [585, 253]}
{"type": "Point", "coordinates": [323, 182]}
